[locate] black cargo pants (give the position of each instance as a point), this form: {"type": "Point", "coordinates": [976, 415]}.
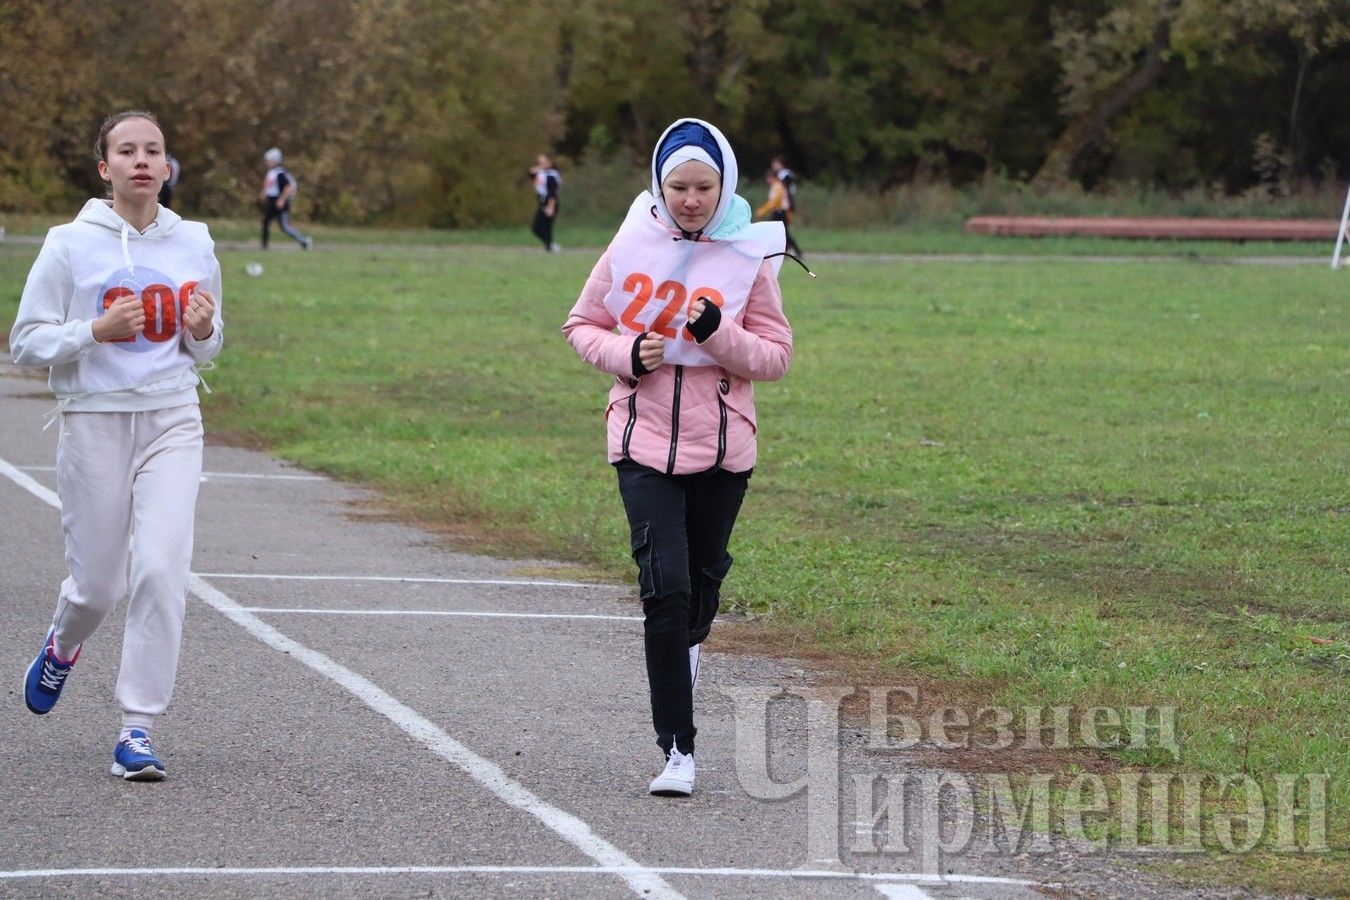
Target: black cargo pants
{"type": "Point", "coordinates": [681, 525]}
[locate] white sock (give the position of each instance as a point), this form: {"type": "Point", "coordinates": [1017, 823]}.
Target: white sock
{"type": "Point", "coordinates": [63, 653]}
{"type": "Point", "coordinates": [128, 726]}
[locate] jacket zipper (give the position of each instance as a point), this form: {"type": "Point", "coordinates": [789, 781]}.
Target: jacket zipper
{"type": "Point", "coordinates": [721, 432]}
{"type": "Point", "coordinates": [675, 420]}
{"type": "Point", "coordinates": [632, 421]}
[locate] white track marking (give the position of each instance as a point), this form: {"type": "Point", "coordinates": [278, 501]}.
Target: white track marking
{"type": "Point", "coordinates": [28, 484]}
{"type": "Point", "coordinates": [415, 725]}
{"type": "Point", "coordinates": [644, 880]}
{"type": "Point", "coordinates": [411, 579]}
{"type": "Point", "coordinates": [205, 475]}
{"type": "Point", "coordinates": [433, 612]}
{"type": "Point", "coordinates": [487, 773]}
{"type": "Point", "coordinates": [902, 892]}
{"type": "Point", "coordinates": [264, 476]}
{"type": "Point", "coordinates": [888, 878]}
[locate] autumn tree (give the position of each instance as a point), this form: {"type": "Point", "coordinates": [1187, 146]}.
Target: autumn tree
{"type": "Point", "coordinates": [428, 112]}
{"type": "Point", "coordinates": [1112, 56]}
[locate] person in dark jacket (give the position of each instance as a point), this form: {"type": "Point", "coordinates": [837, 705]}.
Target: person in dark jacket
{"type": "Point", "coordinates": [278, 190]}
{"type": "Point", "coordinates": [547, 183]}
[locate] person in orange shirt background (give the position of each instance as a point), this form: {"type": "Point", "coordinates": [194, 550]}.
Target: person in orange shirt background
{"type": "Point", "coordinates": [778, 208]}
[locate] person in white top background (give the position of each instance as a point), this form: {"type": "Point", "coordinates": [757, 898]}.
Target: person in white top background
{"type": "Point", "coordinates": [123, 305]}
{"type": "Point", "coordinates": [278, 190]}
{"type": "Point", "coordinates": [547, 185]}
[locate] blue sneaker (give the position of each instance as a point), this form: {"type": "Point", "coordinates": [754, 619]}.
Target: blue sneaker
{"type": "Point", "coordinates": [135, 760]}
{"type": "Point", "coordinates": [46, 677]}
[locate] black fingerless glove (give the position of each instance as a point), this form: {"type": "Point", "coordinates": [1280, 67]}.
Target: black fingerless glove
{"type": "Point", "coordinates": [638, 368]}
{"type": "Point", "coordinates": [707, 322]}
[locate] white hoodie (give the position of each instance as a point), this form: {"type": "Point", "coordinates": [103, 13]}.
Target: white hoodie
{"type": "Point", "coordinates": [86, 265]}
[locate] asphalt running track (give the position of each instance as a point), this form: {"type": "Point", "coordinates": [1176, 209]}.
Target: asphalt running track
{"type": "Point", "coordinates": [361, 712]}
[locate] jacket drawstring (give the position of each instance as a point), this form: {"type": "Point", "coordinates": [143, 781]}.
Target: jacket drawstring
{"type": "Point", "coordinates": [795, 259]}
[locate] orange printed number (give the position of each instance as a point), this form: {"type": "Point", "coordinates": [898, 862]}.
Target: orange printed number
{"type": "Point", "coordinates": [676, 298]}
{"type": "Point", "coordinates": [673, 293]}
{"type": "Point", "coordinates": [641, 288]}
{"type": "Point", "coordinates": [111, 297]}
{"type": "Point", "coordinates": [712, 295]}
{"type": "Point", "coordinates": [163, 311]}
{"type": "Point", "coordinates": [184, 295]}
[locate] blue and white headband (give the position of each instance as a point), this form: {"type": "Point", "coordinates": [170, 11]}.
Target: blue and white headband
{"type": "Point", "coordinates": [695, 139]}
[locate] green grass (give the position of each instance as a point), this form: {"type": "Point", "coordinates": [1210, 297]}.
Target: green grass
{"type": "Point", "coordinates": [595, 233]}
{"type": "Point", "coordinates": [1064, 482]}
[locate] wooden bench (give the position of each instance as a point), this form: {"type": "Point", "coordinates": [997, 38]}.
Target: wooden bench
{"type": "Point", "coordinates": [1156, 228]}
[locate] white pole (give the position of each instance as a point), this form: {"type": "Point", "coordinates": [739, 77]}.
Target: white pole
{"type": "Point", "coordinates": [1340, 235]}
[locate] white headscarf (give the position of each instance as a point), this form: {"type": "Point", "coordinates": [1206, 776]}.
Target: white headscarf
{"type": "Point", "coordinates": [727, 170]}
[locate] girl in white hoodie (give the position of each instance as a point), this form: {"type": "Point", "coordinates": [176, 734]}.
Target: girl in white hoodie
{"type": "Point", "coordinates": [123, 305]}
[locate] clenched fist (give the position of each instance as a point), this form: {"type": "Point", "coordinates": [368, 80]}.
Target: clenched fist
{"type": "Point", "coordinates": [123, 319]}
{"type": "Point", "coordinates": [197, 316]}
{"type": "Point", "coordinates": [652, 351]}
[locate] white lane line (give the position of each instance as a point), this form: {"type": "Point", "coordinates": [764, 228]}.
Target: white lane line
{"type": "Point", "coordinates": [612, 861]}
{"type": "Point", "coordinates": [28, 484]}
{"type": "Point", "coordinates": [257, 475]}
{"type": "Point", "coordinates": [714, 872]}
{"type": "Point", "coordinates": [264, 476]}
{"type": "Point", "coordinates": [902, 892]}
{"type": "Point", "coordinates": [411, 579]}
{"type": "Point", "coordinates": [433, 612]}
{"type": "Point", "coordinates": [487, 773]}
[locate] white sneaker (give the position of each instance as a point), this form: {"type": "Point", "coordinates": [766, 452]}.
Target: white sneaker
{"type": "Point", "coordinates": [678, 778]}
{"type": "Point", "coordinates": [693, 665]}
{"type": "Point", "coordinates": [554, 248]}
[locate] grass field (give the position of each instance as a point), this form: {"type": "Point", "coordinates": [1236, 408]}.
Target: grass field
{"type": "Point", "coordinates": [596, 232]}
{"type": "Point", "coordinates": [1044, 481]}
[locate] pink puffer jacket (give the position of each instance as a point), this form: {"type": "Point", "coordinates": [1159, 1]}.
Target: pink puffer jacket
{"type": "Point", "coordinates": [685, 419]}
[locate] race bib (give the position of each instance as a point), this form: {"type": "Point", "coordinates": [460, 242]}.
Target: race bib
{"type": "Point", "coordinates": [657, 278]}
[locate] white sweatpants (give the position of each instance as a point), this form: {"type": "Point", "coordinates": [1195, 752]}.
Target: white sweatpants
{"type": "Point", "coordinates": [128, 487]}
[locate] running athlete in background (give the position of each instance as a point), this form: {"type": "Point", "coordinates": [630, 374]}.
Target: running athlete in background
{"type": "Point", "coordinates": [123, 305]}
{"type": "Point", "coordinates": [778, 208]}
{"type": "Point", "coordinates": [278, 190]}
{"type": "Point", "coordinates": [547, 184]}
{"type": "Point", "coordinates": [779, 167]}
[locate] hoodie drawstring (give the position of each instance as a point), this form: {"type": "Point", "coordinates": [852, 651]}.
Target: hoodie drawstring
{"type": "Point", "coordinates": [204, 367]}
{"type": "Point", "coordinates": [126, 250]}
{"type": "Point", "coordinates": [55, 412]}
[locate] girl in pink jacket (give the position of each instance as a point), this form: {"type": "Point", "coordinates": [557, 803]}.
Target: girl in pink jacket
{"type": "Point", "coordinates": [684, 310]}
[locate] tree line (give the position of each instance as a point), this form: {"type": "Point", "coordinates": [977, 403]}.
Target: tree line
{"type": "Point", "coordinates": [426, 112]}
